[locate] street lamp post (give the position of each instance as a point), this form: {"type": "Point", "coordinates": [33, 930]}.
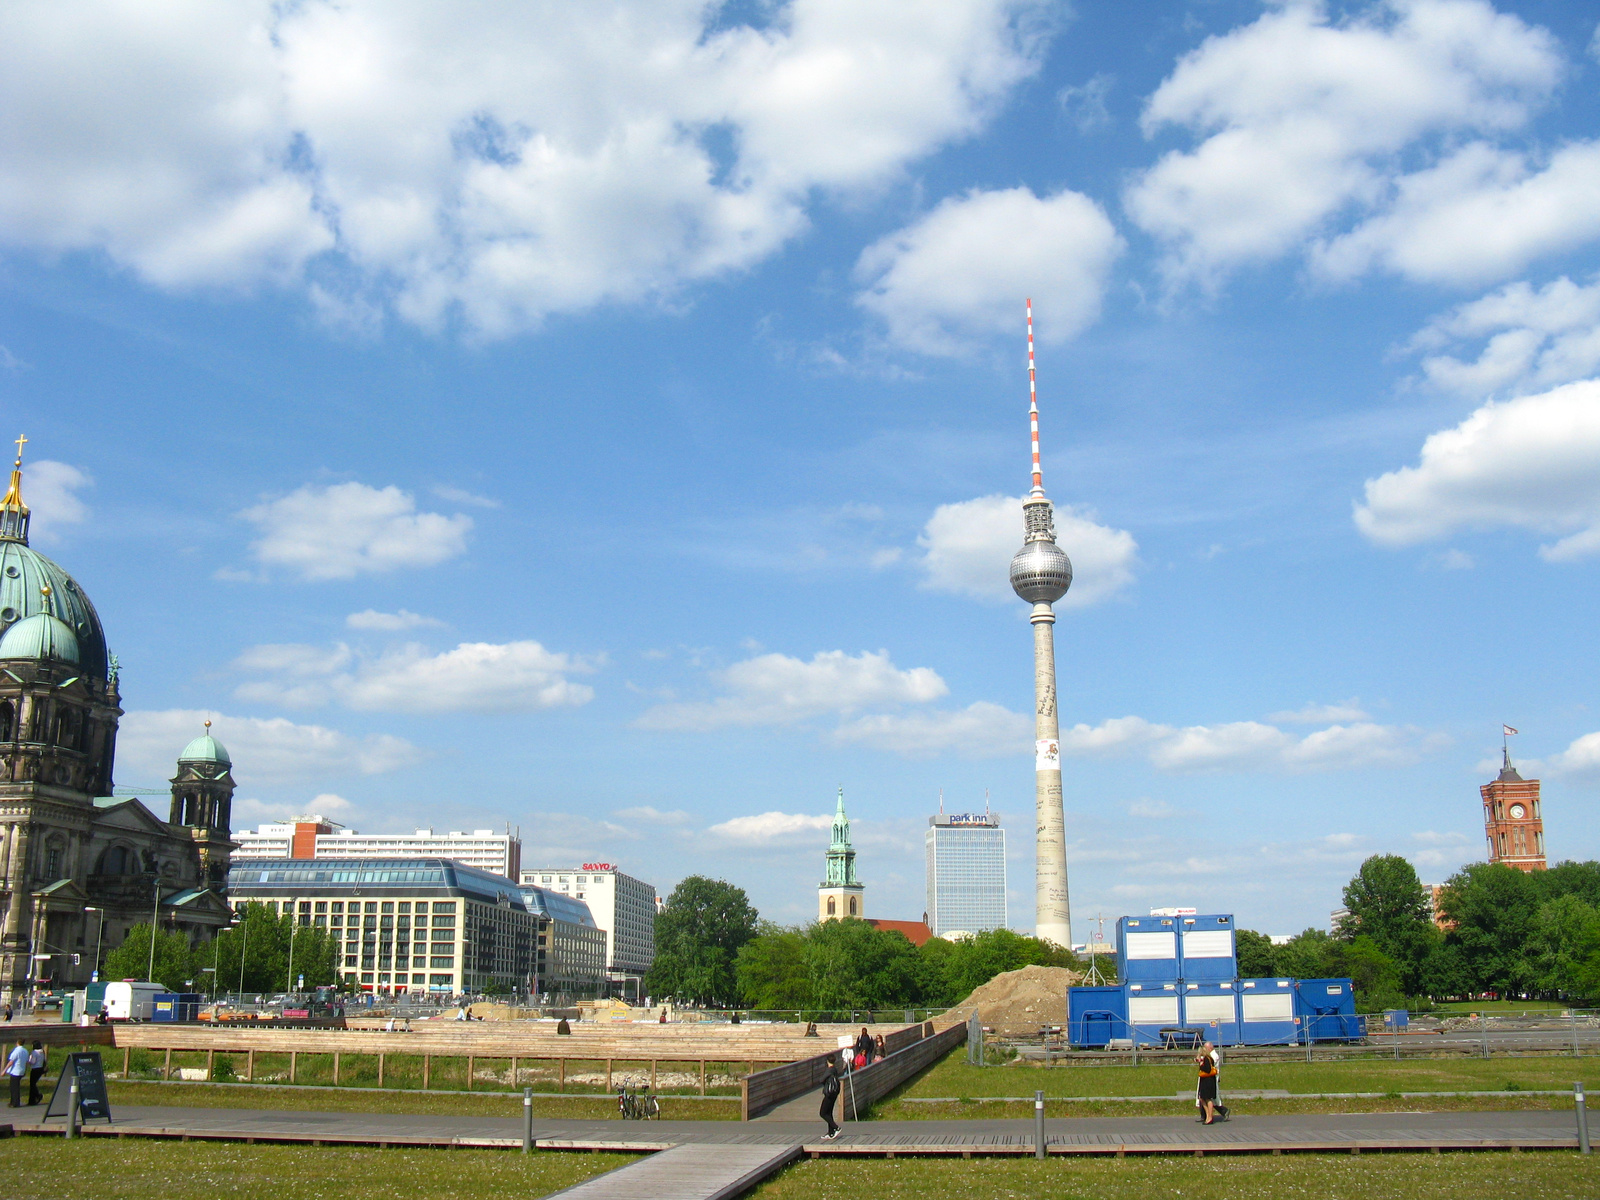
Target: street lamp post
{"type": "Point", "coordinates": [98, 938]}
{"type": "Point", "coordinates": [244, 946]}
{"type": "Point", "coordinates": [288, 984]}
{"type": "Point", "coordinates": [155, 928]}
{"type": "Point", "coordinates": [216, 956]}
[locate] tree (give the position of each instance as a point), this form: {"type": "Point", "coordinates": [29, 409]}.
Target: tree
{"type": "Point", "coordinates": [977, 959]}
{"type": "Point", "coordinates": [771, 969]}
{"type": "Point", "coordinates": [1305, 956]}
{"type": "Point", "coordinates": [699, 933]}
{"type": "Point", "coordinates": [1493, 908]}
{"type": "Point", "coordinates": [1387, 903]}
{"type": "Point", "coordinates": [851, 964]}
{"type": "Point", "coordinates": [260, 943]}
{"type": "Point", "coordinates": [1566, 932]}
{"type": "Point", "coordinates": [1258, 957]}
{"type": "Point", "coordinates": [1374, 975]}
{"type": "Point", "coordinates": [174, 961]}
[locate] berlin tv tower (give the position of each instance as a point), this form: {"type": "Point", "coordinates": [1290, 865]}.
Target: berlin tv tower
{"type": "Point", "coordinates": [1041, 573]}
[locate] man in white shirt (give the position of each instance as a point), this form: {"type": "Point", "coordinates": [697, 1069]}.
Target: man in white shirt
{"type": "Point", "coordinates": [37, 1062]}
{"type": "Point", "coordinates": [16, 1068]}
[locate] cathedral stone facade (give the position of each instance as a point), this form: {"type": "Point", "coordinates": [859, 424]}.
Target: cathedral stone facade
{"type": "Point", "coordinates": [78, 866]}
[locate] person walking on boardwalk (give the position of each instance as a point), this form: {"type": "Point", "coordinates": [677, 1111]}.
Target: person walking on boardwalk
{"type": "Point", "coordinates": [36, 1065]}
{"type": "Point", "coordinates": [830, 1100]}
{"type": "Point", "coordinates": [16, 1068]}
{"type": "Point", "coordinates": [1206, 1061]}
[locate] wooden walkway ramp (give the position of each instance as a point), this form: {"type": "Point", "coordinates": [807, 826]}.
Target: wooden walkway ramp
{"type": "Point", "coordinates": [694, 1171]}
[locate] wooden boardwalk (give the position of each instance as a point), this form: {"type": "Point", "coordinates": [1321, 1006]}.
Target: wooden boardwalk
{"type": "Point", "coordinates": [694, 1171]}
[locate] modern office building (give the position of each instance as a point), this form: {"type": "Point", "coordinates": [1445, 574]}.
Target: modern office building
{"type": "Point", "coordinates": [623, 907]}
{"type": "Point", "coordinates": [318, 837]}
{"type": "Point", "coordinates": [431, 924]}
{"type": "Point", "coordinates": [966, 873]}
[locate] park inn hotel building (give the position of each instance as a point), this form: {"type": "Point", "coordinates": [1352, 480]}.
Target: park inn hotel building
{"type": "Point", "coordinates": [434, 925]}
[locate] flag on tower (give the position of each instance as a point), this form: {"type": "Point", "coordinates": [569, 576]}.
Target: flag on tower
{"type": "Point", "coordinates": [1508, 729]}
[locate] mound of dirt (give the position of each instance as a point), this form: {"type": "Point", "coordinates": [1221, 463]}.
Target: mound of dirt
{"type": "Point", "coordinates": [1016, 1003]}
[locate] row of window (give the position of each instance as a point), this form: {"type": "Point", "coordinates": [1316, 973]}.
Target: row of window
{"type": "Point", "coordinates": [366, 961]}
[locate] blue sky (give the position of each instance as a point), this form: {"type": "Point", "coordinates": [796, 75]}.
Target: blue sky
{"type": "Point", "coordinates": [610, 420]}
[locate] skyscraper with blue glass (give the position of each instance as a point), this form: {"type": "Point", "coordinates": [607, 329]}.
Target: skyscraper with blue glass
{"type": "Point", "coordinates": [966, 873]}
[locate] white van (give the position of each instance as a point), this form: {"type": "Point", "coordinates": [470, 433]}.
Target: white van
{"type": "Point", "coordinates": [132, 1001]}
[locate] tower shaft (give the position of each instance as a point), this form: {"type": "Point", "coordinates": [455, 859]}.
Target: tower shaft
{"type": "Point", "coordinates": [1052, 908]}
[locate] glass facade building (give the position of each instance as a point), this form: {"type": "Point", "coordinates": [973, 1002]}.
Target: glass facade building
{"type": "Point", "coordinates": [966, 873]}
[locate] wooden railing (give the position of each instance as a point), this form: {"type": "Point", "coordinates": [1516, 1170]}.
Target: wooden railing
{"type": "Point", "coordinates": [909, 1051]}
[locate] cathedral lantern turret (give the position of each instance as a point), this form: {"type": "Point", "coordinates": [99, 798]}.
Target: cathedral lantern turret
{"type": "Point", "coordinates": [202, 801]}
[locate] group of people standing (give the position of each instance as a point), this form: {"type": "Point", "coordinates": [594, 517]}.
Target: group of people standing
{"type": "Point", "coordinates": [861, 1054]}
{"type": "Point", "coordinates": [22, 1061]}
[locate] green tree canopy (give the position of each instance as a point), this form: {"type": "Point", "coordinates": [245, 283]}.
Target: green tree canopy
{"type": "Point", "coordinates": [1258, 957]}
{"type": "Point", "coordinates": [699, 932]}
{"type": "Point", "coordinates": [1387, 903]}
{"type": "Point", "coordinates": [1493, 909]}
{"type": "Point", "coordinates": [174, 962]}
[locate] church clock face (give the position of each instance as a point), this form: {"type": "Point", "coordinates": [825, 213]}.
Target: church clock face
{"type": "Point", "coordinates": [1518, 812]}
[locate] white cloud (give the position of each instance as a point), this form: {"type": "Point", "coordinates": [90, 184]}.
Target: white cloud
{"type": "Point", "coordinates": [1582, 757]}
{"type": "Point", "coordinates": [969, 546]}
{"type": "Point", "coordinates": [1250, 745]}
{"type": "Point", "coordinates": [264, 750]}
{"type": "Point", "coordinates": [774, 689]}
{"type": "Point", "coordinates": [1303, 121]}
{"type": "Point", "coordinates": [1314, 714]}
{"type": "Point", "coordinates": [351, 529]}
{"type": "Point", "coordinates": [371, 620]}
{"type": "Point", "coordinates": [981, 730]}
{"type": "Point", "coordinates": [645, 814]}
{"type": "Point", "coordinates": [962, 272]}
{"type": "Point", "coordinates": [1529, 463]}
{"type": "Point", "coordinates": [1532, 339]}
{"type": "Point", "coordinates": [533, 159]}
{"type": "Point", "coordinates": [457, 495]}
{"type": "Point", "coordinates": [1085, 103]}
{"type": "Point", "coordinates": [51, 491]}
{"type": "Point", "coordinates": [768, 828]}
{"type": "Point", "coordinates": [474, 677]}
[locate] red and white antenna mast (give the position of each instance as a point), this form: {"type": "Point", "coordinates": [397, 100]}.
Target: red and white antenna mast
{"type": "Point", "coordinates": [1033, 407]}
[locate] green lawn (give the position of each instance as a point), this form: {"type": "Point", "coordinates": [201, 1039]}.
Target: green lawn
{"type": "Point", "coordinates": [55, 1169]}
{"type": "Point", "coordinates": [370, 1100]}
{"type": "Point", "coordinates": [953, 1077]}
{"type": "Point", "coordinates": [1499, 1007]}
{"type": "Point", "coordinates": [1480, 1176]}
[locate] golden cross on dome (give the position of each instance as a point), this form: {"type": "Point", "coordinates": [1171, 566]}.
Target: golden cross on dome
{"type": "Point", "coordinates": [22, 440]}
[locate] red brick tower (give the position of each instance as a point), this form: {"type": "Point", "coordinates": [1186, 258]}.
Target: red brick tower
{"type": "Point", "coordinates": [1512, 821]}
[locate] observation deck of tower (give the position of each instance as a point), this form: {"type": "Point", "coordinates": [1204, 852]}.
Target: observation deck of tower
{"type": "Point", "coordinates": [1041, 573]}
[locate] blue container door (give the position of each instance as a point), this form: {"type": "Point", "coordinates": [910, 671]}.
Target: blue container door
{"type": "Point", "coordinates": [1214, 1011]}
{"type": "Point", "coordinates": [1148, 955]}
{"type": "Point", "coordinates": [1206, 949]}
{"type": "Point", "coordinates": [1151, 1012]}
{"type": "Point", "coordinates": [1266, 1011]}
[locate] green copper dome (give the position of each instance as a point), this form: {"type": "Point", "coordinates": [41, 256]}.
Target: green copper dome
{"type": "Point", "coordinates": [38, 637]}
{"type": "Point", "coordinates": [24, 574]}
{"type": "Point", "coordinates": [207, 749]}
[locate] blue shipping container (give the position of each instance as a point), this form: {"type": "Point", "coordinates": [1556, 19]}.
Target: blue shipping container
{"type": "Point", "coordinates": [1206, 948]}
{"type": "Point", "coordinates": [176, 1006]}
{"type": "Point", "coordinates": [1213, 1009]}
{"type": "Point", "coordinates": [1096, 1016]}
{"type": "Point", "coordinates": [1147, 949]}
{"type": "Point", "coordinates": [1327, 1010]}
{"type": "Point", "coordinates": [1267, 1012]}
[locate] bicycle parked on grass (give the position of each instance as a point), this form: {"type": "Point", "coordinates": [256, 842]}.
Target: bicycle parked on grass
{"type": "Point", "coordinates": [637, 1104]}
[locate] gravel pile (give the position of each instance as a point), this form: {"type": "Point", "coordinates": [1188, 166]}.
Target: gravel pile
{"type": "Point", "coordinates": [1016, 1003]}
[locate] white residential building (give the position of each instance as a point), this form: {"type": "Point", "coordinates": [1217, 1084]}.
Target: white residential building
{"type": "Point", "coordinates": [318, 837]}
{"type": "Point", "coordinates": [623, 906]}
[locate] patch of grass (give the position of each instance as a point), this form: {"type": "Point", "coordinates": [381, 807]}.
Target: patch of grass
{"type": "Point", "coordinates": [1553, 1175]}
{"type": "Point", "coordinates": [953, 1077]}
{"type": "Point", "coordinates": [370, 1100]}
{"type": "Point", "coordinates": [55, 1169]}
{"type": "Point", "coordinates": [968, 1110]}
{"type": "Point", "coordinates": [1497, 1006]}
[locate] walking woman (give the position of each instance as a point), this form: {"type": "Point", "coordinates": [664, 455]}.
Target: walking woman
{"type": "Point", "coordinates": [830, 1100]}
{"type": "Point", "coordinates": [1206, 1061]}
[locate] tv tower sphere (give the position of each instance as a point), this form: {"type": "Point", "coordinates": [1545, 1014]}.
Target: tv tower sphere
{"type": "Point", "coordinates": [1041, 572]}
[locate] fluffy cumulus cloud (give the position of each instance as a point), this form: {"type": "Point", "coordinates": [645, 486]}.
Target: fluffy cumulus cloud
{"type": "Point", "coordinates": [265, 750]}
{"type": "Point", "coordinates": [968, 547]}
{"type": "Point", "coordinates": [961, 272]}
{"type": "Point", "coordinates": [775, 689]}
{"type": "Point", "coordinates": [538, 158]}
{"type": "Point", "coordinates": [1250, 745]}
{"type": "Point", "coordinates": [1306, 127]}
{"type": "Point", "coordinates": [765, 829]}
{"type": "Point", "coordinates": [1526, 339]}
{"type": "Point", "coordinates": [1580, 758]}
{"type": "Point", "coordinates": [350, 529]}
{"type": "Point", "coordinates": [1316, 714]}
{"type": "Point", "coordinates": [51, 490]}
{"type": "Point", "coordinates": [1530, 463]}
{"type": "Point", "coordinates": [473, 677]}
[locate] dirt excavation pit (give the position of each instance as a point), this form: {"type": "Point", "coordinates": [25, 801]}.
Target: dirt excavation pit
{"type": "Point", "coordinates": [1017, 1003]}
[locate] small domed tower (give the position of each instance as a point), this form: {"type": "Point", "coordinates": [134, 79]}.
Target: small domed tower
{"type": "Point", "coordinates": [202, 801]}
